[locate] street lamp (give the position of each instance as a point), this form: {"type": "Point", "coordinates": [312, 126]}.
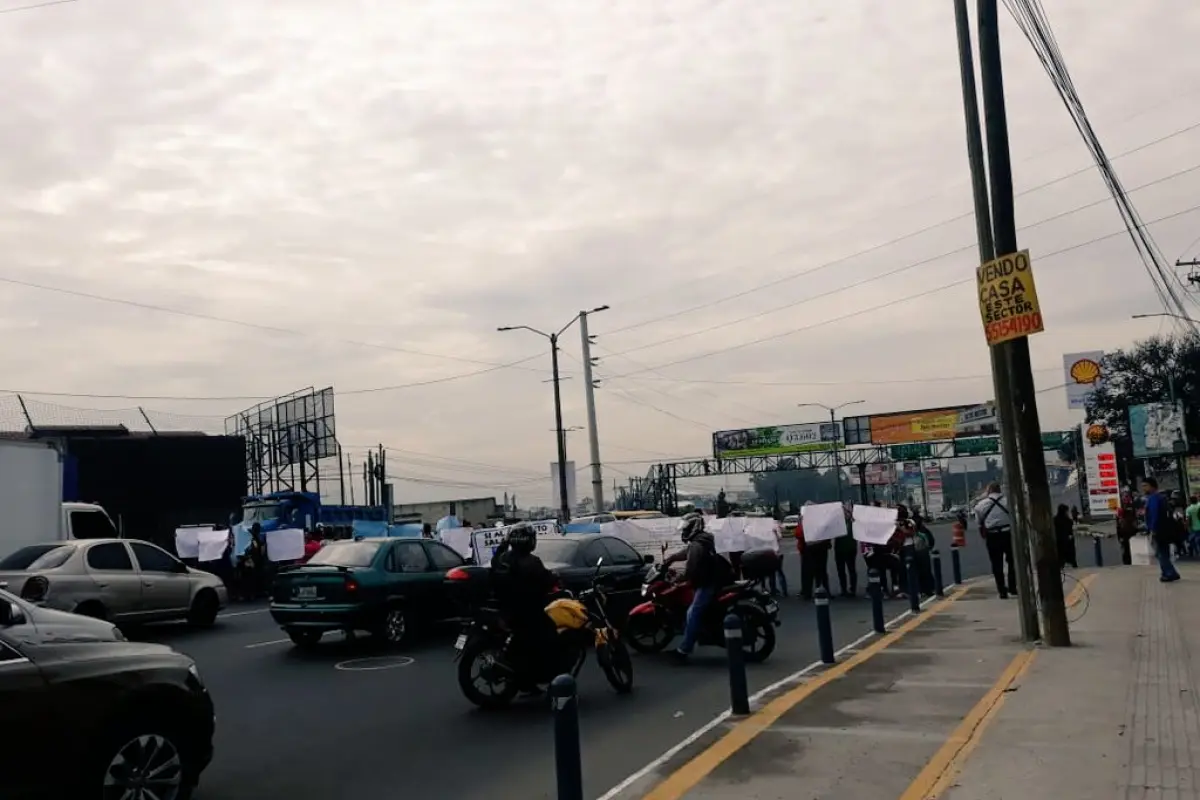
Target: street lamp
{"type": "Point", "coordinates": [837, 467]}
{"type": "Point", "coordinates": [564, 506]}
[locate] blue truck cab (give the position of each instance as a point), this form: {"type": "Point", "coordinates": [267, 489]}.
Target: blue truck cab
{"type": "Point", "coordinates": [305, 510]}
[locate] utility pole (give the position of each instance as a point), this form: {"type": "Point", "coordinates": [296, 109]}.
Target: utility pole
{"type": "Point", "coordinates": [1015, 352]}
{"type": "Point", "coordinates": [1015, 487]}
{"type": "Point", "coordinates": [589, 389]}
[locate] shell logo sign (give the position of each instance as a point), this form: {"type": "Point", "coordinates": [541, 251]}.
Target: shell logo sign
{"type": "Point", "coordinates": [1096, 434]}
{"type": "Point", "coordinates": [1083, 374]}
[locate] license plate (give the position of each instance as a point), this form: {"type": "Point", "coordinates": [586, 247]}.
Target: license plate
{"type": "Point", "coordinates": [460, 642]}
{"type": "Point", "coordinates": [772, 608]}
{"type": "Point", "coordinates": [306, 593]}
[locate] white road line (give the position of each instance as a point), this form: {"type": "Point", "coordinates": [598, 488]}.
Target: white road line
{"type": "Point", "coordinates": [616, 791]}
{"type": "Point", "coordinates": [266, 644]}
{"type": "Point", "coordinates": [243, 613]}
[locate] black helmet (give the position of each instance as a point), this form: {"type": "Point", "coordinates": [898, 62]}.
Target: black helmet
{"type": "Point", "coordinates": [522, 538]}
{"type": "Point", "coordinates": [691, 524]}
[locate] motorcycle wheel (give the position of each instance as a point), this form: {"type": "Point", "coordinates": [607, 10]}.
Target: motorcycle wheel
{"type": "Point", "coordinates": [648, 633]}
{"type": "Point", "coordinates": [758, 636]}
{"type": "Point", "coordinates": [617, 664]}
{"type": "Point", "coordinates": [476, 660]}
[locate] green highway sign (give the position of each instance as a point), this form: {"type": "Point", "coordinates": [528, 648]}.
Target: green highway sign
{"type": "Point", "coordinates": [910, 452]}
{"type": "Point", "coordinates": [977, 446]}
{"type": "Point", "coordinates": [1053, 440]}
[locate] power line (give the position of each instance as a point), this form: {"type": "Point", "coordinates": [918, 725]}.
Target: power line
{"type": "Point", "coordinates": [874, 248]}
{"type": "Point", "coordinates": [33, 6]}
{"type": "Point", "coordinates": [889, 303]}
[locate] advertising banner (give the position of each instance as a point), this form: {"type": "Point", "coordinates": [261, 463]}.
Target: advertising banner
{"type": "Point", "coordinates": [876, 475]}
{"type": "Point", "coordinates": [1082, 374]}
{"type": "Point", "coordinates": [910, 427]}
{"type": "Point", "coordinates": [571, 496]}
{"type": "Point", "coordinates": [768, 441]}
{"type": "Point", "coordinates": [1100, 466]}
{"type": "Point", "coordinates": [1008, 301]}
{"type": "Point", "coordinates": [1157, 429]}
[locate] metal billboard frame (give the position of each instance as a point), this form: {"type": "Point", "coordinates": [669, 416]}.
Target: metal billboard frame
{"type": "Point", "coordinates": [286, 437]}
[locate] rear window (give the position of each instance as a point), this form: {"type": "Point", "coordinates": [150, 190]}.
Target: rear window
{"type": "Point", "coordinates": [346, 554]}
{"type": "Point", "coordinates": [37, 556]}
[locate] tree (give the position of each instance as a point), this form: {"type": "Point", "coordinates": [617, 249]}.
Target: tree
{"type": "Point", "coordinates": [1143, 374]}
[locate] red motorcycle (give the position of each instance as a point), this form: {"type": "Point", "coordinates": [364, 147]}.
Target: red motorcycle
{"type": "Point", "coordinates": [654, 623]}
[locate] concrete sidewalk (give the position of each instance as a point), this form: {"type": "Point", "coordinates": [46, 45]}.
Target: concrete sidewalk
{"type": "Point", "coordinates": [950, 704]}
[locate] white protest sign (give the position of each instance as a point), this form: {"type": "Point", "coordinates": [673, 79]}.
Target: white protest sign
{"type": "Point", "coordinates": [729, 534]}
{"type": "Point", "coordinates": [458, 539]}
{"type": "Point", "coordinates": [874, 525]}
{"type": "Point", "coordinates": [484, 542]}
{"type": "Point", "coordinates": [546, 527]}
{"type": "Point", "coordinates": [823, 522]}
{"type": "Point", "coordinates": [285, 544]}
{"type": "Point", "coordinates": [187, 542]}
{"type": "Point", "coordinates": [212, 544]}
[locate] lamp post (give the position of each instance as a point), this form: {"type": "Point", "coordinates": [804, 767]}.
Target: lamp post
{"type": "Point", "coordinates": [564, 505]}
{"type": "Point", "coordinates": [837, 467]}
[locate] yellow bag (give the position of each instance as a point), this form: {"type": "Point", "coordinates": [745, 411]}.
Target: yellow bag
{"type": "Point", "coordinates": [568, 614]}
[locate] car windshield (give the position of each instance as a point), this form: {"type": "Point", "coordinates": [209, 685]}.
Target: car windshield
{"type": "Point", "coordinates": [561, 551]}
{"type": "Point", "coordinates": [346, 554]}
{"type": "Point", "coordinates": [260, 512]}
{"type": "Point", "coordinates": [37, 556]}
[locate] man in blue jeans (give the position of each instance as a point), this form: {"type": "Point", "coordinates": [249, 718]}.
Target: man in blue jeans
{"type": "Point", "coordinates": [1161, 527]}
{"type": "Point", "coordinates": [701, 570]}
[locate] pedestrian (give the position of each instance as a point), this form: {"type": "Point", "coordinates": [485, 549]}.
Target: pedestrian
{"type": "Point", "coordinates": [1162, 527]}
{"type": "Point", "coordinates": [923, 547]}
{"type": "Point", "coordinates": [1127, 526]}
{"type": "Point", "coordinates": [778, 580]}
{"type": "Point", "coordinates": [1064, 537]}
{"type": "Point", "coordinates": [845, 553]}
{"type": "Point", "coordinates": [814, 559]}
{"type": "Point", "coordinates": [995, 526]}
{"type": "Point", "coordinates": [1193, 522]}
{"type": "Point", "coordinates": [1075, 514]}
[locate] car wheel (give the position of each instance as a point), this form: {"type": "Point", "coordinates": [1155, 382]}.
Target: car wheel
{"type": "Point", "coordinates": [205, 606]}
{"type": "Point", "coordinates": [142, 757]}
{"type": "Point", "coordinates": [303, 637]}
{"type": "Point", "coordinates": [93, 609]}
{"type": "Point", "coordinates": [394, 630]}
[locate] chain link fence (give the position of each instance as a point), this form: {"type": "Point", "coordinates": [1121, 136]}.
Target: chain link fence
{"type": "Point", "coordinates": [18, 414]}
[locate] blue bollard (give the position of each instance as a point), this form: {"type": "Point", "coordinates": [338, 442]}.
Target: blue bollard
{"type": "Point", "coordinates": [956, 565]}
{"type": "Point", "coordinates": [939, 587]}
{"type": "Point", "coordinates": [568, 763]}
{"type": "Point", "coordinates": [824, 625]}
{"type": "Point", "coordinates": [1099, 550]}
{"type": "Point", "coordinates": [875, 590]}
{"type": "Point", "coordinates": [739, 694]}
{"type": "Point", "coordinates": [910, 574]}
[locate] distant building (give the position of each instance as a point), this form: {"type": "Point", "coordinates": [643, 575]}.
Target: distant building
{"type": "Point", "coordinates": [471, 510]}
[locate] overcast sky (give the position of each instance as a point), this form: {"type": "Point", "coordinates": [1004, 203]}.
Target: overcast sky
{"type": "Point", "coordinates": [383, 184]}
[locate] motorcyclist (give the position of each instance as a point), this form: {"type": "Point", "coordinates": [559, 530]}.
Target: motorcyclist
{"type": "Point", "coordinates": [702, 570]}
{"type": "Point", "coordinates": [521, 584]}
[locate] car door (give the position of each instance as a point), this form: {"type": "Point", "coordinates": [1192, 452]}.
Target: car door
{"type": "Point", "coordinates": [624, 570]}
{"type": "Point", "coordinates": [26, 714]}
{"type": "Point", "coordinates": [166, 584]}
{"type": "Point", "coordinates": [118, 586]}
{"type": "Point", "coordinates": [411, 575]}
{"type": "Point", "coordinates": [441, 560]}
{"type": "Point", "coordinates": [579, 576]}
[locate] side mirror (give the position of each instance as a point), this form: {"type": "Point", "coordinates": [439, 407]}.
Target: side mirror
{"type": "Point", "coordinates": [647, 559]}
{"type": "Point", "coordinates": [11, 614]}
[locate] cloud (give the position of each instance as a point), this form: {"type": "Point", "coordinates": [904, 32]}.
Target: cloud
{"type": "Point", "coordinates": [373, 176]}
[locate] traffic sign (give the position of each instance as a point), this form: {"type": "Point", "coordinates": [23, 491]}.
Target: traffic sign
{"type": "Point", "coordinates": [910, 452]}
{"type": "Point", "coordinates": [978, 446]}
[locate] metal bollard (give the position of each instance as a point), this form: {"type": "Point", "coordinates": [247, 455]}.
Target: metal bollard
{"type": "Point", "coordinates": [739, 694]}
{"type": "Point", "coordinates": [939, 587]}
{"type": "Point", "coordinates": [824, 625]}
{"type": "Point", "coordinates": [955, 565]}
{"type": "Point", "coordinates": [910, 574]}
{"type": "Point", "coordinates": [1099, 550]}
{"type": "Point", "coordinates": [875, 590]}
{"type": "Point", "coordinates": [568, 763]}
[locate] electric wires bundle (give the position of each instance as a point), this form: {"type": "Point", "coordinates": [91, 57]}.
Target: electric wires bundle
{"type": "Point", "coordinates": [1031, 18]}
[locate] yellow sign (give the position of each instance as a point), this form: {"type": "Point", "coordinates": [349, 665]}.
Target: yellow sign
{"type": "Point", "coordinates": [1008, 301]}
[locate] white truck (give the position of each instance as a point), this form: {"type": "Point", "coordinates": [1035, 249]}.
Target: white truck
{"type": "Point", "coordinates": [31, 490]}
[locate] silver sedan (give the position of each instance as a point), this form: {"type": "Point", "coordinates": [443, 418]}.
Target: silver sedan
{"type": "Point", "coordinates": [120, 580]}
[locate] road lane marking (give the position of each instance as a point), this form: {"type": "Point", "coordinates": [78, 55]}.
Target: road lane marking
{"type": "Point", "coordinates": [374, 663]}
{"type": "Point", "coordinates": [721, 718]}
{"type": "Point", "coordinates": [242, 613]}
{"type": "Point", "coordinates": [943, 769]}
{"type": "Point", "coordinates": [266, 644]}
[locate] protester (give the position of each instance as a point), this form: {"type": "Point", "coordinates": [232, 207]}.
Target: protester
{"type": "Point", "coordinates": [814, 562]}
{"type": "Point", "coordinates": [845, 553]}
{"type": "Point", "coordinates": [1064, 537]}
{"type": "Point", "coordinates": [1161, 526]}
{"type": "Point", "coordinates": [1193, 523]}
{"type": "Point", "coordinates": [778, 580]}
{"type": "Point", "coordinates": [995, 526]}
{"type": "Point", "coordinates": [923, 546]}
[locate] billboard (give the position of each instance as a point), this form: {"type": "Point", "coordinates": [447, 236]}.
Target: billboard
{"type": "Point", "coordinates": [875, 474]}
{"type": "Point", "coordinates": [571, 497]}
{"type": "Point", "coordinates": [285, 437]}
{"type": "Point", "coordinates": [773, 440]}
{"type": "Point", "coordinates": [1157, 429]}
{"type": "Point", "coordinates": [1082, 374]}
{"type": "Point", "coordinates": [933, 425]}
{"type": "Point", "coordinates": [1100, 470]}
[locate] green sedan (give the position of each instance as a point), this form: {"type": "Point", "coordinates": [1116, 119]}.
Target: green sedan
{"type": "Point", "coordinates": [389, 587]}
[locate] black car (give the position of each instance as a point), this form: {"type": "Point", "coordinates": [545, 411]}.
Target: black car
{"type": "Point", "coordinates": [573, 557]}
{"type": "Point", "coordinates": [88, 715]}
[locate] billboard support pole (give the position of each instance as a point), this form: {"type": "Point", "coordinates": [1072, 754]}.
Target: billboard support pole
{"type": "Point", "coordinates": [1030, 625]}
{"type": "Point", "coordinates": [1056, 630]}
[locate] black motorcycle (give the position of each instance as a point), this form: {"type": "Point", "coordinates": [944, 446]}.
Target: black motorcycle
{"type": "Point", "coordinates": [485, 672]}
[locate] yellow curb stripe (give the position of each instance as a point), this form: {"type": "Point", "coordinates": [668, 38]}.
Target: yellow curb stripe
{"type": "Point", "coordinates": [684, 779]}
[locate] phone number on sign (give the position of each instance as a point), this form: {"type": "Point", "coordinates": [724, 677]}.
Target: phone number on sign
{"type": "Point", "coordinates": [1012, 327]}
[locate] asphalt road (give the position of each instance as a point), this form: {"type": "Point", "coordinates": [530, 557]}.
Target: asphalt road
{"type": "Point", "coordinates": [317, 725]}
